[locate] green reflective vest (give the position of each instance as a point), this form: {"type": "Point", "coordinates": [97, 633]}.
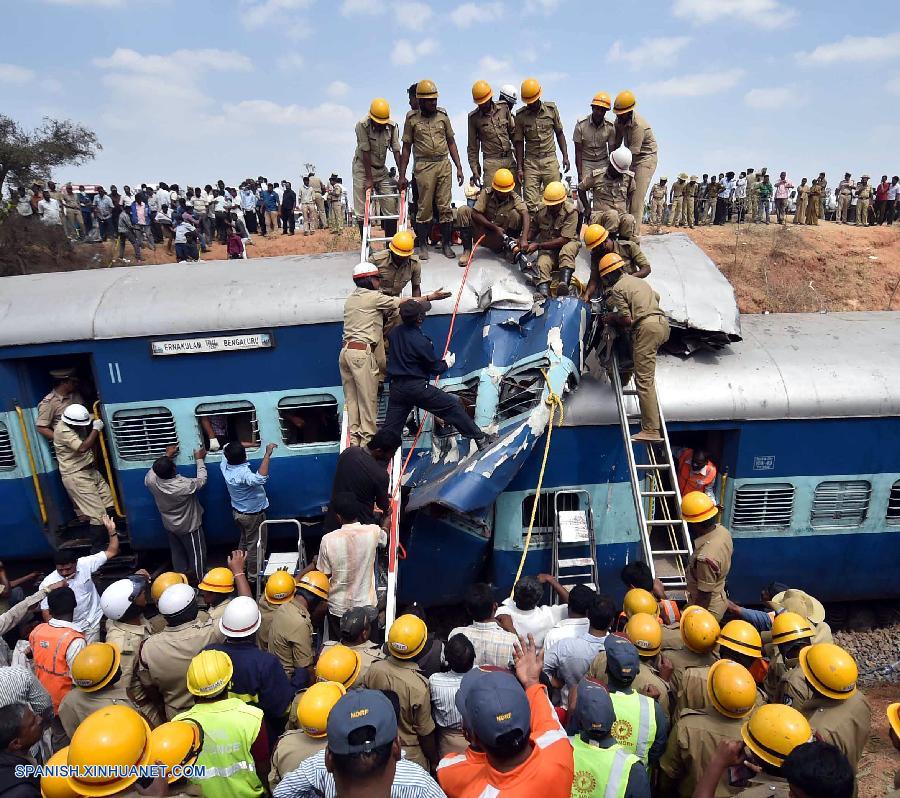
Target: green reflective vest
{"type": "Point", "coordinates": [600, 772]}
{"type": "Point", "coordinates": [230, 727]}
{"type": "Point", "coordinates": [635, 726]}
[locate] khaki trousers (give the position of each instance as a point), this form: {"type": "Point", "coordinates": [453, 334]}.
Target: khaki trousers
{"type": "Point", "coordinates": [89, 493]}
{"type": "Point", "coordinates": [538, 173]}
{"type": "Point", "coordinates": [434, 179]}
{"type": "Point", "coordinates": [676, 212]}
{"type": "Point", "coordinates": [843, 207]}
{"type": "Point", "coordinates": [640, 184]}
{"type": "Point", "coordinates": [320, 206]}
{"type": "Point", "coordinates": [649, 335]}
{"type": "Point", "coordinates": [71, 221]}
{"type": "Point", "coordinates": [687, 214]}
{"type": "Point", "coordinates": [359, 378]}
{"type": "Point", "coordinates": [491, 165]}
{"type": "Point", "coordinates": [657, 211]}
{"type": "Point", "coordinates": [310, 217]}
{"type": "Point", "coordinates": [382, 207]}
{"type": "Point", "coordinates": [336, 216]}
{"type": "Point", "coordinates": [451, 741]}
{"type": "Point", "coordinates": [862, 212]}
{"type": "Point", "coordinates": [548, 260]}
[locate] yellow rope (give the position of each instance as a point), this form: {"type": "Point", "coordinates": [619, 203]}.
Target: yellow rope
{"type": "Point", "coordinates": [554, 402]}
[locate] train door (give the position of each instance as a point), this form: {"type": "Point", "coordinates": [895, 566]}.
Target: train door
{"type": "Point", "coordinates": [720, 447]}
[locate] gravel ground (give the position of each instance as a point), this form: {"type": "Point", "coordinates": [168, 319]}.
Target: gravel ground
{"type": "Point", "coordinates": [877, 653]}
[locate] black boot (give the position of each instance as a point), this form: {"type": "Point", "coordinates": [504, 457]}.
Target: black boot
{"type": "Point", "coordinates": [565, 277]}
{"type": "Point", "coordinates": [422, 241]}
{"type": "Point", "coordinates": [465, 234]}
{"type": "Point", "coordinates": [544, 290]}
{"type": "Point", "coordinates": [446, 238]}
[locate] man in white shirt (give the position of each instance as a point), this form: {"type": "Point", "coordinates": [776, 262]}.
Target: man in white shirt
{"type": "Point", "coordinates": [522, 613]}
{"type": "Point", "coordinates": [740, 196]}
{"type": "Point", "coordinates": [347, 558]}
{"type": "Point", "coordinates": [443, 687]}
{"type": "Point", "coordinates": [493, 645]}
{"type": "Point", "coordinates": [50, 210]}
{"type": "Point", "coordinates": [77, 573]}
{"type": "Point", "coordinates": [580, 599]}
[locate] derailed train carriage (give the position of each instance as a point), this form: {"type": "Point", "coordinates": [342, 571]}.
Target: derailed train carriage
{"type": "Point", "coordinates": [799, 416]}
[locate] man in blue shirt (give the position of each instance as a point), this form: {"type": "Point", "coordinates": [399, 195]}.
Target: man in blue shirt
{"type": "Point", "coordinates": [248, 500]}
{"type": "Point", "coordinates": [248, 206]}
{"type": "Point", "coordinates": [412, 362]}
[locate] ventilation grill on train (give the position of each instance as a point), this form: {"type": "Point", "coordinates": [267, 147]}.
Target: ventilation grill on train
{"type": "Point", "coordinates": [841, 504]}
{"type": "Point", "coordinates": [143, 433]}
{"type": "Point", "coordinates": [763, 506]}
{"type": "Point", "coordinates": [7, 456]}
{"type": "Point", "coordinates": [893, 509]}
{"type": "Point", "coordinates": [520, 391]}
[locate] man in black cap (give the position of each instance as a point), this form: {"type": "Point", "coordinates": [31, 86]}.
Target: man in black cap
{"type": "Point", "coordinates": [412, 362]}
{"type": "Point", "coordinates": [356, 629]}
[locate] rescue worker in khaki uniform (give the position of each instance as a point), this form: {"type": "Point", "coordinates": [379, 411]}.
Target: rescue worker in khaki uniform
{"type": "Point", "coordinates": [164, 657]}
{"type": "Point", "coordinates": [594, 138]}
{"type": "Point", "coordinates": [610, 187]}
{"type": "Point", "coordinates": [51, 407]}
{"type": "Point", "coordinates": [823, 185]}
{"type": "Point", "coordinates": [802, 198]}
{"type": "Point", "coordinates": [800, 602]}
{"type": "Point", "coordinates": [400, 673]}
{"type": "Point", "coordinates": [601, 240]}
{"type": "Point", "coordinates": [428, 134]}
{"type": "Point", "coordinates": [498, 213]}
{"type": "Point", "coordinates": [813, 201]}
{"type": "Point", "coordinates": [712, 195]}
{"type": "Point", "coordinates": [697, 733]}
{"type": "Point", "coordinates": [753, 180]}
{"type": "Point", "coordinates": [690, 193]}
{"type": "Point", "coordinates": [74, 438]}
{"type": "Point", "coordinates": [790, 633]}
{"type": "Point", "coordinates": [538, 130]}
{"type": "Point", "coordinates": [398, 266]}
{"type": "Point", "coordinates": [280, 589]}
{"type": "Point", "coordinates": [291, 633]}
{"type": "Point", "coordinates": [676, 213]}
{"type": "Point", "coordinates": [491, 130]}
{"type": "Point", "coordinates": [319, 188]}
{"type": "Point", "coordinates": [633, 131]}
{"type": "Point", "coordinates": [556, 238]}
{"type": "Point", "coordinates": [658, 196]}
{"type": "Point", "coordinates": [335, 206]}
{"type": "Point", "coordinates": [710, 563]}
{"type": "Point", "coordinates": [844, 193]}
{"type": "Point", "coordinates": [356, 630]}
{"type": "Point", "coordinates": [698, 633]}
{"type": "Point", "coordinates": [864, 198]}
{"type": "Point", "coordinates": [375, 135]}
{"type": "Point", "coordinates": [633, 304]}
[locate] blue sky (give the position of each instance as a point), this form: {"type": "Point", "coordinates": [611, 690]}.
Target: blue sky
{"type": "Point", "coordinates": [193, 90]}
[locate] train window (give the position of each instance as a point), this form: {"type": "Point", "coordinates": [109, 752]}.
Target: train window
{"type": "Point", "coordinates": [143, 433]}
{"type": "Point", "coordinates": [520, 391]}
{"type": "Point", "coordinates": [545, 517]}
{"type": "Point", "coordinates": [467, 393]}
{"type": "Point", "coordinates": [763, 506]}
{"type": "Point", "coordinates": [840, 504]}
{"type": "Point", "coordinates": [7, 456]}
{"type": "Point", "coordinates": [224, 422]}
{"type": "Point", "coordinates": [309, 419]}
{"type": "Point", "coordinates": [893, 508]}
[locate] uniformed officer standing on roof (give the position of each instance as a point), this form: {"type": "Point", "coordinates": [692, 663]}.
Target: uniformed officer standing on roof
{"type": "Point", "coordinates": [375, 135]}
{"type": "Point", "coordinates": [633, 131]}
{"type": "Point", "coordinates": [51, 407]}
{"type": "Point", "coordinates": [594, 138]}
{"type": "Point", "coordinates": [428, 134]}
{"type": "Point", "coordinates": [491, 130]}
{"type": "Point", "coordinates": [538, 130]}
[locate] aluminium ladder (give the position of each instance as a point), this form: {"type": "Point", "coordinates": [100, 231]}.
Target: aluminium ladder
{"type": "Point", "coordinates": [654, 487]}
{"type": "Point", "coordinates": [578, 563]}
{"type": "Point", "coordinates": [368, 239]}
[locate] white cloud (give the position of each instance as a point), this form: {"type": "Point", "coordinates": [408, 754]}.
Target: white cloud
{"type": "Point", "coordinates": [760, 13]}
{"type": "Point", "coordinates": [854, 49]}
{"type": "Point", "coordinates": [406, 52]}
{"type": "Point", "coordinates": [412, 14]}
{"type": "Point", "coordinates": [495, 71]}
{"type": "Point", "coordinates": [541, 6]}
{"type": "Point", "coordinates": [256, 15]}
{"type": "Point", "coordinates": [328, 119]}
{"type": "Point", "coordinates": [291, 62]}
{"type": "Point", "coordinates": [696, 85]}
{"type": "Point", "coordinates": [770, 99]}
{"type": "Point", "coordinates": [337, 89]}
{"type": "Point", "coordinates": [178, 65]}
{"type": "Point", "coordinates": [652, 52]}
{"type": "Point", "coordinates": [365, 7]}
{"type": "Point", "coordinates": [469, 13]}
{"type": "Point", "coordinates": [14, 74]}
{"type": "Point", "coordinates": [893, 86]}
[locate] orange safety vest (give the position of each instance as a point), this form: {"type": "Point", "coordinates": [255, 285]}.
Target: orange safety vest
{"type": "Point", "coordinates": [688, 481]}
{"type": "Point", "coordinates": [668, 614]}
{"type": "Point", "coordinates": [48, 648]}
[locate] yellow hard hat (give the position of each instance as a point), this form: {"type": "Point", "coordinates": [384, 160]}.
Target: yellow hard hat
{"type": "Point", "coordinates": [57, 786]}
{"type": "Point", "coordinates": [741, 637]}
{"type": "Point", "coordinates": [645, 632]}
{"type": "Point", "coordinates": [555, 193]}
{"type": "Point", "coordinates": [315, 582]}
{"type": "Point", "coordinates": [339, 664]}
{"type": "Point", "coordinates": [601, 100]}
{"type": "Point", "coordinates": [789, 626]}
{"type": "Point", "coordinates": [595, 235]}
{"type": "Point", "coordinates": [217, 580]}
{"type": "Point", "coordinates": [209, 673]}
{"type": "Point", "coordinates": [696, 506]}
{"type": "Point", "coordinates": [407, 636]}
{"type": "Point", "coordinates": [731, 688]}
{"type": "Point", "coordinates": [531, 90]}
{"type": "Point", "coordinates": [426, 90]}
{"type": "Point", "coordinates": [115, 735]}
{"type": "Point", "coordinates": [403, 244]}
{"type": "Point", "coordinates": [380, 111]}
{"type": "Point", "coordinates": [625, 102]}
{"type": "Point", "coordinates": [314, 706]}
{"type": "Point", "coordinates": [280, 588]}
{"type": "Point", "coordinates": [773, 731]}
{"type": "Point", "coordinates": [503, 181]}
{"type": "Point", "coordinates": [893, 716]}
{"type": "Point", "coordinates": [699, 629]}
{"type": "Point", "coordinates": [176, 744]}
{"type": "Point", "coordinates": [95, 665]}
{"type": "Point", "coordinates": [639, 600]}
{"type": "Point", "coordinates": [830, 670]}
{"type": "Point", "coordinates": [610, 262]}
{"type": "Point", "coordinates": [165, 580]}
{"type": "Point", "coordinates": [481, 92]}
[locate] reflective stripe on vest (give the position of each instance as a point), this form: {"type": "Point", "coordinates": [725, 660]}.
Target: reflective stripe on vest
{"type": "Point", "coordinates": [669, 612]}
{"type": "Point", "coordinates": [49, 645]}
{"type": "Point", "coordinates": [601, 772]}
{"type": "Point", "coordinates": [635, 726]}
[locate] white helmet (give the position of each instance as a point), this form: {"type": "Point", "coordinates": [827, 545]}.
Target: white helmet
{"type": "Point", "coordinates": [119, 596]}
{"type": "Point", "coordinates": [620, 159]}
{"type": "Point", "coordinates": [508, 94]}
{"type": "Point", "coordinates": [364, 269]}
{"type": "Point", "coordinates": [241, 617]}
{"type": "Point", "coordinates": [175, 598]}
{"type": "Point", "coordinates": [76, 415]}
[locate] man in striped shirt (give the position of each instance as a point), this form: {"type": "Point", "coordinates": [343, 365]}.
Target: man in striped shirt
{"type": "Point", "coordinates": [493, 645]}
